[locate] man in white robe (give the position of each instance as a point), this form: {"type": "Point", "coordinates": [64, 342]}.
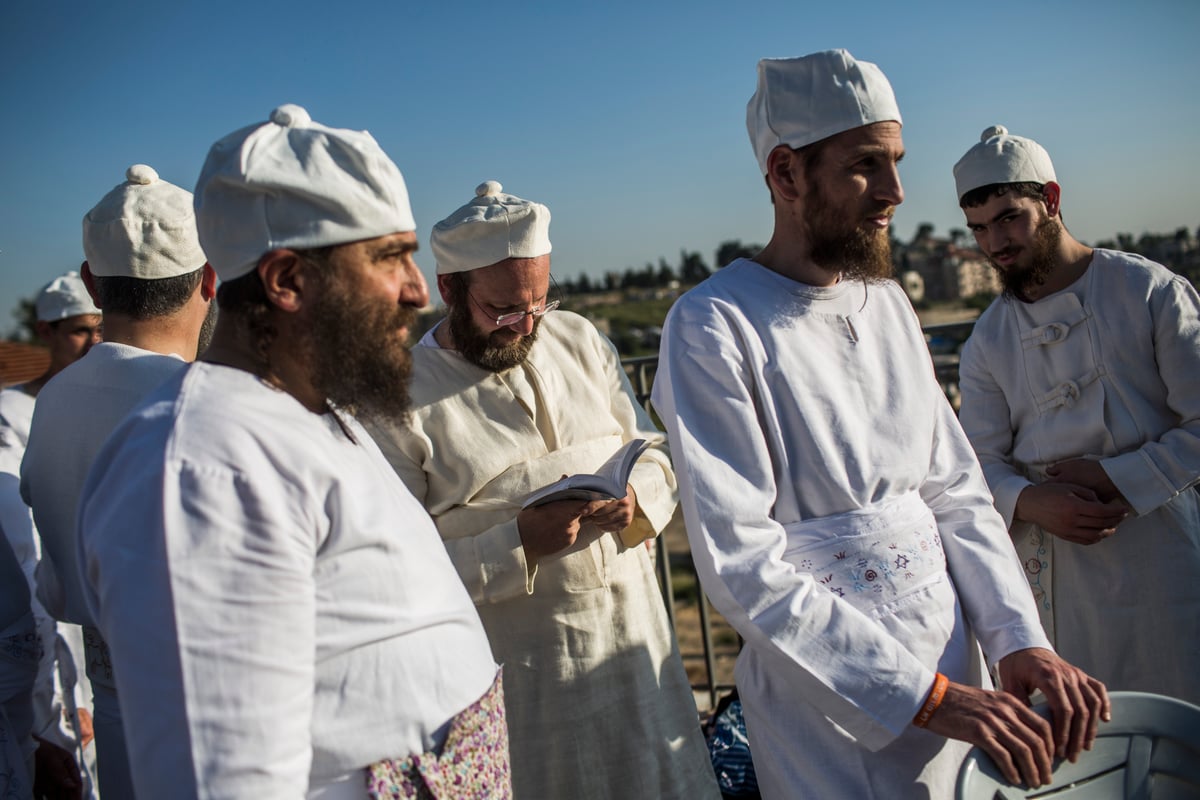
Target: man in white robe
{"type": "Point", "coordinates": [507, 398]}
{"type": "Point", "coordinates": [283, 619]}
{"type": "Point", "coordinates": [837, 516]}
{"type": "Point", "coordinates": [69, 323]}
{"type": "Point", "coordinates": [146, 270]}
{"type": "Point", "coordinates": [1081, 395]}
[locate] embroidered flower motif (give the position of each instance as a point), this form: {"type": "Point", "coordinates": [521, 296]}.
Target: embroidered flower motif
{"type": "Point", "coordinates": [871, 575]}
{"type": "Point", "coordinates": [473, 765]}
{"type": "Point", "coordinates": [902, 562]}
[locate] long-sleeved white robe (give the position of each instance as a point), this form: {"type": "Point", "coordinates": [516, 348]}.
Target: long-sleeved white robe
{"type": "Point", "coordinates": [598, 702]}
{"type": "Point", "coordinates": [280, 611]}
{"type": "Point", "coordinates": [1108, 368]}
{"type": "Point", "coordinates": [839, 520]}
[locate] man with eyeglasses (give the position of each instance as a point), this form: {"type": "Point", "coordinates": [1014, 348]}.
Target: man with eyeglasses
{"type": "Point", "coordinates": [508, 398]}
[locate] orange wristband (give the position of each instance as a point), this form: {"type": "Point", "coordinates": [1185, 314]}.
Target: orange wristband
{"type": "Point", "coordinates": [940, 683]}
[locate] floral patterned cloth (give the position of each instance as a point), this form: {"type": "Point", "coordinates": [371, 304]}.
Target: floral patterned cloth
{"type": "Point", "coordinates": [473, 764]}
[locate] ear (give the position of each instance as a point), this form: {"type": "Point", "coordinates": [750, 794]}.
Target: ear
{"type": "Point", "coordinates": [445, 290]}
{"type": "Point", "coordinates": [89, 283]}
{"type": "Point", "coordinates": [784, 165]}
{"type": "Point", "coordinates": [208, 283]}
{"type": "Point", "coordinates": [284, 279]}
{"type": "Point", "coordinates": [1052, 196]}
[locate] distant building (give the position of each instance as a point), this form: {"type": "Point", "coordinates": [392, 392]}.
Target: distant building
{"type": "Point", "coordinates": [947, 270]}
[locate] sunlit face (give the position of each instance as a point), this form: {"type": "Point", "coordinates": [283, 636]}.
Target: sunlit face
{"type": "Point", "coordinates": [512, 286]}
{"type": "Point", "coordinates": [1018, 236]}
{"type": "Point", "coordinates": [852, 193]}
{"type": "Point", "coordinates": [69, 339]}
{"type": "Point", "coordinates": [359, 321]}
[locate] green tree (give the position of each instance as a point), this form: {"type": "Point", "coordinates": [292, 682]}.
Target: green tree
{"type": "Point", "coordinates": [26, 316]}
{"type": "Point", "coordinates": [692, 268]}
{"type": "Point", "coordinates": [733, 249]}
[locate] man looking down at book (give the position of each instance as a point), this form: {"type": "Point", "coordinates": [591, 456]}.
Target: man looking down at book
{"type": "Point", "coordinates": [506, 399]}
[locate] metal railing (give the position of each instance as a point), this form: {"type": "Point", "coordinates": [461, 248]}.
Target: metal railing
{"type": "Point", "coordinates": [944, 342]}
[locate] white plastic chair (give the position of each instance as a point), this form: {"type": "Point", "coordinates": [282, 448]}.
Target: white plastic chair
{"type": "Point", "coordinates": [1149, 751]}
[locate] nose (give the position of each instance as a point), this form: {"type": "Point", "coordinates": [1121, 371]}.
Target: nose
{"type": "Point", "coordinates": [889, 189]}
{"type": "Point", "coordinates": [414, 292]}
{"type": "Point", "coordinates": [991, 240]}
{"type": "Point", "coordinates": [524, 326]}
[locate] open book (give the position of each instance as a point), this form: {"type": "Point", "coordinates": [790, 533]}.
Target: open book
{"type": "Point", "coordinates": [608, 483]}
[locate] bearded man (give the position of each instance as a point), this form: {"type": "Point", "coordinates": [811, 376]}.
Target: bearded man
{"type": "Point", "coordinates": [836, 514]}
{"type": "Point", "coordinates": [507, 398]}
{"type": "Point", "coordinates": [1080, 396]}
{"type": "Point", "coordinates": [282, 618]}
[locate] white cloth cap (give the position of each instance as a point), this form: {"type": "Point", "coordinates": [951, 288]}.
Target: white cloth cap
{"type": "Point", "coordinates": [63, 297]}
{"type": "Point", "coordinates": [1002, 158]}
{"type": "Point", "coordinates": [295, 183]}
{"type": "Point", "coordinates": [492, 227]}
{"type": "Point", "coordinates": [144, 228]}
{"type": "Point", "coordinates": [804, 100]}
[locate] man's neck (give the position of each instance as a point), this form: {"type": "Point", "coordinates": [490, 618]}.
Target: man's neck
{"type": "Point", "coordinates": [166, 335]}
{"type": "Point", "coordinates": [284, 368]}
{"type": "Point", "coordinates": [791, 259]}
{"type": "Point", "coordinates": [441, 335]}
{"type": "Point", "coordinates": [1071, 263]}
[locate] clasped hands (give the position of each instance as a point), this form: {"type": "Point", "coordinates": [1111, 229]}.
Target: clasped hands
{"type": "Point", "coordinates": [1078, 502]}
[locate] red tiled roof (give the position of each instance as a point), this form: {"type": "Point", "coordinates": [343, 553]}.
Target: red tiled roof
{"type": "Point", "coordinates": [21, 362]}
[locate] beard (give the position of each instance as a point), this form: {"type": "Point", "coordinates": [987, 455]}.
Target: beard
{"type": "Point", "coordinates": [356, 359]}
{"type": "Point", "coordinates": [485, 350]}
{"type": "Point", "coordinates": [842, 245]}
{"type": "Point", "coordinates": [1043, 250]}
{"type": "Point", "coordinates": [207, 328]}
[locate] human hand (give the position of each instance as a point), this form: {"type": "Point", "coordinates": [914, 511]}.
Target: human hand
{"type": "Point", "coordinates": [1077, 701]}
{"type": "Point", "coordinates": [56, 775]}
{"type": "Point", "coordinates": [1070, 512]}
{"type": "Point", "coordinates": [1088, 473]}
{"type": "Point", "coordinates": [87, 730]}
{"type": "Point", "coordinates": [1018, 740]}
{"type": "Point", "coordinates": [551, 527]}
{"type": "Point", "coordinates": [615, 515]}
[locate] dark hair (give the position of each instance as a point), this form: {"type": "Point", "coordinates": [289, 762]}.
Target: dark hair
{"type": "Point", "coordinates": [244, 299]}
{"type": "Point", "coordinates": [979, 196]}
{"type": "Point", "coordinates": [145, 299]}
{"type": "Point", "coordinates": [457, 285]}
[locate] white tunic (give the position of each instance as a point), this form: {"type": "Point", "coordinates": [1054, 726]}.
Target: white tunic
{"type": "Point", "coordinates": [839, 521]}
{"type": "Point", "coordinates": [1108, 368]}
{"type": "Point", "coordinates": [76, 411]}
{"type": "Point", "coordinates": [598, 702]}
{"type": "Point", "coordinates": [280, 610]}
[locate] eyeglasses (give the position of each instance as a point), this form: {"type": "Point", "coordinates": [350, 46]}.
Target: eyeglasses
{"type": "Point", "coordinates": [505, 320]}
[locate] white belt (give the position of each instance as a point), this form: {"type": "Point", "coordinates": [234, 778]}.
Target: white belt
{"type": "Point", "coordinates": [872, 555]}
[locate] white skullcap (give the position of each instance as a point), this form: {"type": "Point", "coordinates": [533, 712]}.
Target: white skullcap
{"type": "Point", "coordinates": [63, 297]}
{"type": "Point", "coordinates": [295, 183]}
{"type": "Point", "coordinates": [1001, 158]}
{"type": "Point", "coordinates": [490, 228]}
{"type": "Point", "coordinates": [804, 100]}
{"type": "Point", "coordinates": [144, 228]}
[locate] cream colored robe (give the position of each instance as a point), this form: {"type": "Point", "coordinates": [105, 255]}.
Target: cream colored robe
{"type": "Point", "coordinates": [598, 702]}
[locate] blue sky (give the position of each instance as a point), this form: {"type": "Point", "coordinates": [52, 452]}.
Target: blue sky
{"type": "Point", "coordinates": [627, 119]}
